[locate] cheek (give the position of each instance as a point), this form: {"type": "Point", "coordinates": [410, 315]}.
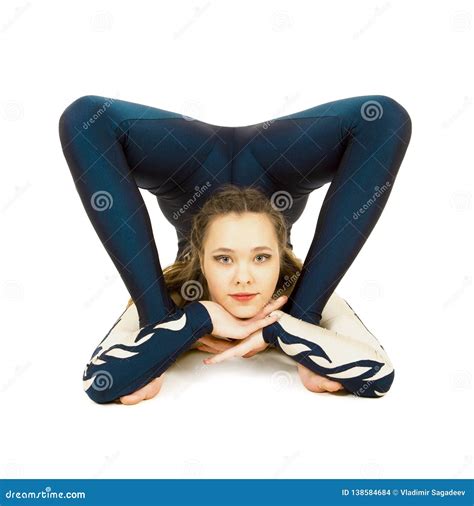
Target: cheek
{"type": "Point", "coordinates": [269, 277]}
{"type": "Point", "coordinates": [216, 278]}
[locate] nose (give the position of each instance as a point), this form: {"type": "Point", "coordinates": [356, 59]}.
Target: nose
{"type": "Point", "coordinates": [243, 275]}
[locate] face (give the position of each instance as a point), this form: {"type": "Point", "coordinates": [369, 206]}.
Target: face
{"type": "Point", "coordinates": [241, 255]}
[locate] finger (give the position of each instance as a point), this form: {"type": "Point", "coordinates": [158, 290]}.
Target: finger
{"type": "Point", "coordinates": [248, 355]}
{"type": "Point", "coordinates": [252, 327]}
{"type": "Point", "coordinates": [331, 386]}
{"type": "Point", "coordinates": [207, 349]}
{"type": "Point", "coordinates": [218, 344]}
{"type": "Point", "coordinates": [236, 351]}
{"type": "Point", "coordinates": [131, 399]}
{"type": "Point", "coordinates": [147, 392]}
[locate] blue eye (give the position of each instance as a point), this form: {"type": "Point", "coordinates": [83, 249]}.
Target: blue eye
{"type": "Point", "coordinates": [220, 257]}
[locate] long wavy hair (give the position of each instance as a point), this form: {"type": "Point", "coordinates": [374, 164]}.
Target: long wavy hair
{"type": "Point", "coordinates": [184, 279]}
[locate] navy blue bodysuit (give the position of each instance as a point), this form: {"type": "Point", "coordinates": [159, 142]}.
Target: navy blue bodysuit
{"type": "Point", "coordinates": [114, 147]}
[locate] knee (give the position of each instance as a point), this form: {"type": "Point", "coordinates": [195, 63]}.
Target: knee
{"type": "Point", "coordinates": [80, 114]}
{"type": "Point", "coordinates": [100, 386]}
{"type": "Point", "coordinates": [388, 110]}
{"type": "Point", "coordinates": [375, 388]}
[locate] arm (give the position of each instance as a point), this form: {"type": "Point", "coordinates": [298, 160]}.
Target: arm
{"type": "Point", "coordinates": [130, 357]}
{"type": "Point", "coordinates": [360, 364]}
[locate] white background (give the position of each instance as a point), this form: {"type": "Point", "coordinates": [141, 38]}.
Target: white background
{"type": "Point", "coordinates": [234, 64]}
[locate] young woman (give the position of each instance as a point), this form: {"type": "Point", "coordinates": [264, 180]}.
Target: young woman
{"type": "Point", "coordinates": [114, 147]}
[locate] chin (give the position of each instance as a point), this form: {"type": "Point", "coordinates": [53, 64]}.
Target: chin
{"type": "Point", "coordinates": [243, 312]}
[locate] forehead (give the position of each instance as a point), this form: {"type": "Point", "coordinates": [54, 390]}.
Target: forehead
{"type": "Point", "coordinates": [241, 232]}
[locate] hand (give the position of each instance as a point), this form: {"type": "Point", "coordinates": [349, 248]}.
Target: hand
{"type": "Point", "coordinates": [147, 392]}
{"type": "Point", "coordinates": [316, 383]}
{"type": "Point", "coordinates": [212, 344]}
{"type": "Point", "coordinates": [251, 343]}
{"type": "Point", "coordinates": [226, 325]}
{"type": "Point", "coordinates": [268, 308]}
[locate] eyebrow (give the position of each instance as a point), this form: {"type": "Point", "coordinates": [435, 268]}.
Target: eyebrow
{"type": "Point", "coordinates": [229, 250]}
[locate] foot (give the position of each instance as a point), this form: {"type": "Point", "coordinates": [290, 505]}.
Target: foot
{"type": "Point", "coordinates": [147, 392]}
{"type": "Point", "coordinates": [316, 383]}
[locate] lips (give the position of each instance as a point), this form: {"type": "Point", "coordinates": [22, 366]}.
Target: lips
{"type": "Point", "coordinates": [241, 297]}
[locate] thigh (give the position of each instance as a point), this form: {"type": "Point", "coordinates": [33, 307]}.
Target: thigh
{"type": "Point", "coordinates": [299, 152]}
{"type": "Point", "coordinates": [158, 148]}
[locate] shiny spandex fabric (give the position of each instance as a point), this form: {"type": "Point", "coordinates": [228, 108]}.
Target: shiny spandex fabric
{"type": "Point", "coordinates": [114, 147]}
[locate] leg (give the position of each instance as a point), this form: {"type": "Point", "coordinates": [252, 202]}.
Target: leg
{"type": "Point", "coordinates": [111, 146]}
{"type": "Point", "coordinates": [358, 145]}
{"type": "Point", "coordinates": [340, 349]}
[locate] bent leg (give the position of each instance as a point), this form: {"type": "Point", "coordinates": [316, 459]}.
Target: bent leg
{"type": "Point", "coordinates": [340, 349]}
{"type": "Point", "coordinates": [358, 145]}
{"type": "Point", "coordinates": [111, 146]}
